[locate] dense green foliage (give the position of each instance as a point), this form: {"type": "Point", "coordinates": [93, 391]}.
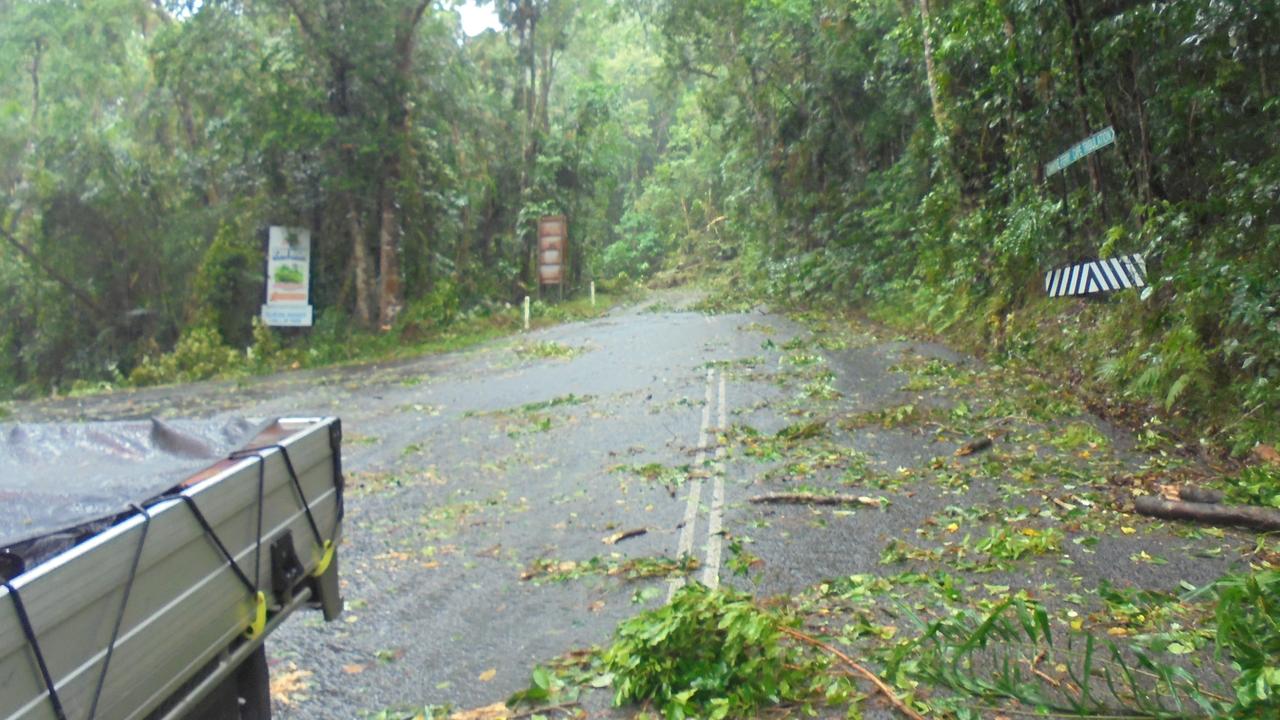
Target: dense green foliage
{"type": "Point", "coordinates": [894, 151]}
{"type": "Point", "coordinates": [1249, 632]}
{"type": "Point", "coordinates": [990, 655]}
{"type": "Point", "coordinates": [148, 145]}
{"type": "Point", "coordinates": [885, 153]}
{"type": "Point", "coordinates": [708, 653]}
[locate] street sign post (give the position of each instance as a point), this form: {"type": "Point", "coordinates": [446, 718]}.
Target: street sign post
{"type": "Point", "coordinates": [1103, 275]}
{"type": "Point", "coordinates": [1081, 150]}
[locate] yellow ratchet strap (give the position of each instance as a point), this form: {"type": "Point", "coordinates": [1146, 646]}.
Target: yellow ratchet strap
{"type": "Point", "coordinates": [259, 623]}
{"type": "Point", "coordinates": [326, 557]}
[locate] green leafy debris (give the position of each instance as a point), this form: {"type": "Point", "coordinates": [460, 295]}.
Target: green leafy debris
{"type": "Point", "coordinates": [709, 654]}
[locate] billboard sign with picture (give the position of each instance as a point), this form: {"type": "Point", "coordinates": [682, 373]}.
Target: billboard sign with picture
{"type": "Point", "coordinates": [288, 277]}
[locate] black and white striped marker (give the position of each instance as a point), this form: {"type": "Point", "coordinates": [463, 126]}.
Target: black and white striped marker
{"type": "Point", "coordinates": [1128, 271]}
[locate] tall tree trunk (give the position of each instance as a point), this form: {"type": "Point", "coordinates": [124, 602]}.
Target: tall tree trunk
{"type": "Point", "coordinates": [391, 291]}
{"type": "Point", "coordinates": [931, 74]}
{"type": "Point", "coordinates": [467, 236]}
{"type": "Point", "coordinates": [529, 136]}
{"type": "Point", "coordinates": [1020, 92]}
{"type": "Point", "coordinates": [1076, 19]}
{"type": "Point", "coordinates": [360, 266]}
{"type": "Point", "coordinates": [544, 91]}
{"type": "Point", "coordinates": [391, 285]}
{"type": "Point", "coordinates": [35, 79]}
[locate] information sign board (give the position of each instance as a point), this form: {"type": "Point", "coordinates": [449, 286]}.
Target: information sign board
{"type": "Point", "coordinates": [553, 244]}
{"type": "Point", "coordinates": [288, 277]}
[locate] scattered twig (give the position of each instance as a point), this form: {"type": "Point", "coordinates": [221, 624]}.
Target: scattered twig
{"type": "Point", "coordinates": [566, 708]}
{"type": "Point", "coordinates": [1073, 716]}
{"type": "Point", "coordinates": [618, 537]}
{"type": "Point", "coordinates": [973, 446]}
{"type": "Point", "coordinates": [812, 499]}
{"type": "Point", "coordinates": [865, 673]}
{"type": "Point", "coordinates": [1255, 518]}
{"type": "Point", "coordinates": [1034, 664]}
{"type": "Point", "coordinates": [1063, 504]}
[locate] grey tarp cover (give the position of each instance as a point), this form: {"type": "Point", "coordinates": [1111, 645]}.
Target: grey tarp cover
{"type": "Point", "coordinates": [57, 479]}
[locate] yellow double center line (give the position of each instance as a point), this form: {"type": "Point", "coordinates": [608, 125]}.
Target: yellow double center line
{"type": "Point", "coordinates": [711, 550]}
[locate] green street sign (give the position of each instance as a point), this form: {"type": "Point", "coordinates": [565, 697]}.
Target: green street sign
{"type": "Point", "coordinates": [1080, 150]}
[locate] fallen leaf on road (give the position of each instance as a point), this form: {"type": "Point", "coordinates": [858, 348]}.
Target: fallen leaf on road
{"type": "Point", "coordinates": [496, 711]}
{"type": "Point", "coordinates": [488, 675]}
{"type": "Point", "coordinates": [353, 669]}
{"type": "Point", "coordinates": [1266, 453]}
{"type": "Point", "coordinates": [596, 606]}
{"type": "Point", "coordinates": [289, 686]}
{"type": "Point", "coordinates": [388, 655]}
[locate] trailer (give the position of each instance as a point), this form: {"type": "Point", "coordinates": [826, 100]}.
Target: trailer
{"type": "Point", "coordinates": [143, 564]}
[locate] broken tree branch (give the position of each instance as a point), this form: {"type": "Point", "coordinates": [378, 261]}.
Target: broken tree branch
{"type": "Point", "coordinates": [812, 499]}
{"type": "Point", "coordinates": [75, 291]}
{"type": "Point", "coordinates": [870, 676]}
{"type": "Point", "coordinates": [1254, 518]}
{"type": "Point", "coordinates": [569, 708]}
{"type": "Point", "coordinates": [973, 446]}
{"type": "Point", "coordinates": [618, 537]}
{"type": "Point", "coordinates": [1200, 495]}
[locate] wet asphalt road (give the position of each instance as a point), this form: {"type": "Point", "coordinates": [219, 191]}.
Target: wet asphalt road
{"type": "Point", "coordinates": [456, 490]}
{"type": "Point", "coordinates": [482, 484]}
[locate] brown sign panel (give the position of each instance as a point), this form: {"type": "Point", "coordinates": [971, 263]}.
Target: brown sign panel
{"type": "Point", "coordinates": [551, 226]}
{"type": "Point", "coordinates": [553, 240]}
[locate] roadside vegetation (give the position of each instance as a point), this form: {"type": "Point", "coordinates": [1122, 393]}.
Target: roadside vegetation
{"type": "Point", "coordinates": [200, 354]}
{"type": "Point", "coordinates": [876, 168]}
{"type": "Point", "coordinates": [884, 156]}
{"type": "Point", "coordinates": [988, 606]}
{"type": "Point", "coordinates": [148, 145]}
{"type": "Point", "coordinates": [890, 157]}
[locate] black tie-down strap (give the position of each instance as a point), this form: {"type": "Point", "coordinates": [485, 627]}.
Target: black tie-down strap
{"type": "Point", "coordinates": [251, 586]}
{"type": "Point", "coordinates": [325, 546]}
{"type": "Point", "coordinates": [259, 622]}
{"type": "Point", "coordinates": [30, 634]}
{"type": "Point", "coordinates": [124, 604]}
{"type": "Point", "coordinates": [32, 640]}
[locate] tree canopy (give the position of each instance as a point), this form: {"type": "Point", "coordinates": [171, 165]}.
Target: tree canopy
{"type": "Point", "coordinates": [884, 153]}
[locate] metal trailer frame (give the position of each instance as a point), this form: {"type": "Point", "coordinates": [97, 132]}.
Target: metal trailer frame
{"type": "Point", "coordinates": [148, 617]}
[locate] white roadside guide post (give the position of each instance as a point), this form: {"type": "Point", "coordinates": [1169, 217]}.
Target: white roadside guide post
{"type": "Point", "coordinates": [526, 313]}
{"type": "Point", "coordinates": [593, 293]}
